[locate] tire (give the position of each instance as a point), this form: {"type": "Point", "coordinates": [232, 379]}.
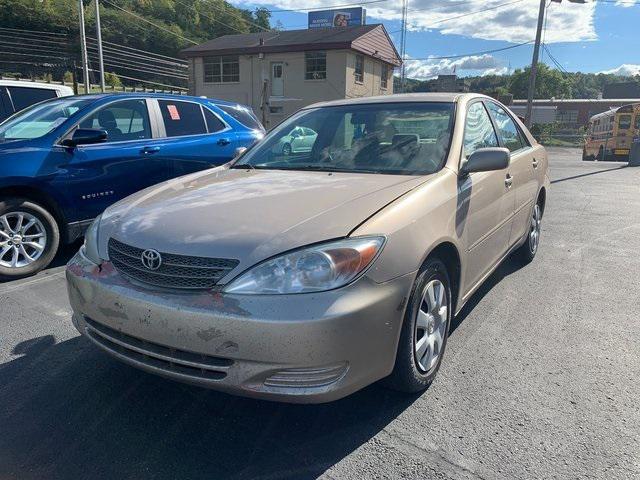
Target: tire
{"type": "Point", "coordinates": [38, 226]}
{"type": "Point", "coordinates": [527, 252]}
{"type": "Point", "coordinates": [286, 149]}
{"type": "Point", "coordinates": [412, 374]}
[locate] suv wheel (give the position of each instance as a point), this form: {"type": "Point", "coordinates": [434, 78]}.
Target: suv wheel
{"type": "Point", "coordinates": [29, 238]}
{"type": "Point", "coordinates": [424, 331]}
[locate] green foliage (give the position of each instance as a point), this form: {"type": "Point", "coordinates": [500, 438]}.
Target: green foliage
{"type": "Point", "coordinates": [198, 20]}
{"type": "Point", "coordinates": [112, 79]}
{"type": "Point", "coordinates": [549, 83]}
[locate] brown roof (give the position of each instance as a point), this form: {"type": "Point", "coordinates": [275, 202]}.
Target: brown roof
{"type": "Point", "coordinates": [371, 40]}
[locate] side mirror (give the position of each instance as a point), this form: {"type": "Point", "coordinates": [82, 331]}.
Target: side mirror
{"type": "Point", "coordinates": [85, 136]}
{"type": "Point", "coordinates": [486, 160]}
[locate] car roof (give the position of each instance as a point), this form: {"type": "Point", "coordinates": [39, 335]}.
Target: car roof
{"type": "Point", "coordinates": [25, 84]}
{"type": "Point", "coordinates": [397, 98]}
{"type": "Point", "coordinates": [165, 96]}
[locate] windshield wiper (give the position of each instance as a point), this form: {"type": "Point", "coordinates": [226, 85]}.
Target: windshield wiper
{"type": "Point", "coordinates": [243, 166]}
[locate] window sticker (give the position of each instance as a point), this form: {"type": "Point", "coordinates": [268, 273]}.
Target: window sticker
{"type": "Point", "coordinates": [173, 112]}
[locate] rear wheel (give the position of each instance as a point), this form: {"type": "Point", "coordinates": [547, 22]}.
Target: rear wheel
{"type": "Point", "coordinates": [529, 248]}
{"type": "Point", "coordinates": [29, 238]}
{"type": "Point", "coordinates": [424, 331]}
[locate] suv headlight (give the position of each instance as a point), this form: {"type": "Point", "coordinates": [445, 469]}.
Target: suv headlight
{"type": "Point", "coordinates": [90, 247]}
{"type": "Point", "coordinates": [311, 269]}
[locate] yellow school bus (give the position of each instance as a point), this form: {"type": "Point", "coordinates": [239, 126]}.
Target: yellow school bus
{"type": "Point", "coordinates": [611, 134]}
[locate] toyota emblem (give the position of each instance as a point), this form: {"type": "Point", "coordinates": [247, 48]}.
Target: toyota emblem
{"type": "Point", "coordinates": [151, 259]}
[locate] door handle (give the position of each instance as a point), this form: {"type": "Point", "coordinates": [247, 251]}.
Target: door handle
{"type": "Point", "coordinates": [149, 150]}
{"type": "Point", "coordinates": [535, 163]}
{"type": "Point", "coordinates": [508, 181]}
{"type": "Point", "coordinates": [223, 141]}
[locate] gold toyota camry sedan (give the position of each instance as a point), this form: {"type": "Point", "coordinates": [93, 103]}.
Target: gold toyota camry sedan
{"type": "Point", "coordinates": [304, 276]}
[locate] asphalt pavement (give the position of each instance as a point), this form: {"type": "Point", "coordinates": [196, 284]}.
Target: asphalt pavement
{"type": "Point", "coordinates": [540, 378]}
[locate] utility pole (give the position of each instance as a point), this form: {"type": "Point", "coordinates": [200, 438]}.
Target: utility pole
{"type": "Point", "coordinates": [403, 44]}
{"type": "Point", "coordinates": [534, 65]}
{"type": "Point", "coordinates": [83, 47]}
{"type": "Point", "coordinates": [99, 39]}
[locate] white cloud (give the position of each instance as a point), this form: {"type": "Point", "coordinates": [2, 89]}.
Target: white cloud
{"type": "Point", "coordinates": [431, 68]}
{"type": "Point", "coordinates": [485, 19]}
{"type": "Point", "coordinates": [626, 69]}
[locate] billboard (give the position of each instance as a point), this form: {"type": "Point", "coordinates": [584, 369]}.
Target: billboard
{"type": "Point", "coordinates": [344, 17]}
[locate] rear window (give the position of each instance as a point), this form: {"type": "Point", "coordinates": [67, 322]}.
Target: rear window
{"type": "Point", "coordinates": [624, 122]}
{"type": "Point", "coordinates": [243, 115]}
{"type": "Point", "coordinates": [23, 97]}
{"type": "Point", "coordinates": [182, 118]}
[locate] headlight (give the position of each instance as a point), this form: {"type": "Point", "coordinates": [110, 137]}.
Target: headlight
{"type": "Point", "coordinates": [90, 247]}
{"type": "Point", "coordinates": [312, 269]}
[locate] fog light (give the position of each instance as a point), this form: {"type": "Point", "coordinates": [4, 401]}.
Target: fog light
{"type": "Point", "coordinates": [307, 377]}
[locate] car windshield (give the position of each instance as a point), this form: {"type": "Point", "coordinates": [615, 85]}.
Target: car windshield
{"type": "Point", "coordinates": [40, 119]}
{"type": "Point", "coordinates": [390, 138]}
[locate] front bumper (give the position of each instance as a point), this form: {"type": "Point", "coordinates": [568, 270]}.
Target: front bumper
{"type": "Point", "coordinates": [307, 348]}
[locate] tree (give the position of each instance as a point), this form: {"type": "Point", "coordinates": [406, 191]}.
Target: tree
{"type": "Point", "coordinates": [549, 83]}
{"type": "Point", "coordinates": [112, 80]}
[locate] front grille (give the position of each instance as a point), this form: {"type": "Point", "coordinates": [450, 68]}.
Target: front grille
{"type": "Point", "coordinates": [171, 360]}
{"type": "Point", "coordinates": [176, 271]}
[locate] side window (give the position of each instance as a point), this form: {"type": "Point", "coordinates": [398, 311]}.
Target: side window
{"type": "Point", "coordinates": [478, 130]}
{"type": "Point", "coordinates": [24, 97]}
{"type": "Point", "coordinates": [182, 118]}
{"type": "Point", "coordinates": [214, 124]}
{"type": "Point", "coordinates": [125, 120]}
{"type": "Point", "coordinates": [507, 128]}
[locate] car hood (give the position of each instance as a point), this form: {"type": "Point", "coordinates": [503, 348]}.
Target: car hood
{"type": "Point", "coordinates": [248, 215]}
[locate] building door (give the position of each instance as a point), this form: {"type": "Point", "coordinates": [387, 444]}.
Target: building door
{"type": "Point", "coordinates": [277, 79]}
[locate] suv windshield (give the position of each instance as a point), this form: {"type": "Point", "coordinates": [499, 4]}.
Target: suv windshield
{"type": "Point", "coordinates": [391, 138]}
{"type": "Point", "coordinates": [40, 119]}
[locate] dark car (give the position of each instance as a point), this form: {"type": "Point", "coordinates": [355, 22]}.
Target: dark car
{"type": "Point", "coordinates": [63, 161]}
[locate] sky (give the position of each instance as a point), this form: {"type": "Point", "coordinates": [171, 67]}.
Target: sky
{"type": "Point", "coordinates": [598, 36]}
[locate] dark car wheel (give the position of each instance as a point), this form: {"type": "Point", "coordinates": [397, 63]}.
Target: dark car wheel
{"type": "Point", "coordinates": [529, 248]}
{"type": "Point", "coordinates": [286, 149]}
{"type": "Point", "coordinates": [425, 330]}
{"type": "Point", "coordinates": [29, 238]}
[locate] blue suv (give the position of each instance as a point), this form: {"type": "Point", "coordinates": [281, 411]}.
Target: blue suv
{"type": "Point", "coordinates": [63, 161]}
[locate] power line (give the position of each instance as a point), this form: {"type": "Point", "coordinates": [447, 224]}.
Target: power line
{"type": "Point", "coordinates": [115, 63]}
{"type": "Point", "coordinates": [486, 9]}
{"type": "Point", "coordinates": [150, 22]}
{"type": "Point", "coordinates": [146, 52]}
{"type": "Point", "coordinates": [483, 52]}
{"type": "Point", "coordinates": [34, 32]}
{"type": "Point", "coordinates": [141, 58]}
{"type": "Point", "coordinates": [148, 81]}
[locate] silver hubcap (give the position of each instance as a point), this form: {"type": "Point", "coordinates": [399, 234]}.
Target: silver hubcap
{"type": "Point", "coordinates": [534, 229]}
{"type": "Point", "coordinates": [22, 239]}
{"type": "Point", "coordinates": [431, 325]}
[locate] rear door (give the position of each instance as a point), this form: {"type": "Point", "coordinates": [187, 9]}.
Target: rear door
{"type": "Point", "coordinates": [524, 164]}
{"type": "Point", "coordinates": [486, 203]}
{"type": "Point", "coordinates": [193, 137]}
{"type": "Point", "coordinates": [99, 175]}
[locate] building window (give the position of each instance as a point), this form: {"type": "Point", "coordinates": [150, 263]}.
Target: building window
{"type": "Point", "coordinates": [222, 69]}
{"type": "Point", "coordinates": [384, 76]}
{"type": "Point", "coordinates": [359, 70]}
{"type": "Point", "coordinates": [567, 117]}
{"type": "Point", "coordinates": [315, 65]}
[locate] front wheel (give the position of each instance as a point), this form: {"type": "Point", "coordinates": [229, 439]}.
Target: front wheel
{"type": "Point", "coordinates": [424, 331]}
{"type": "Point", "coordinates": [29, 238]}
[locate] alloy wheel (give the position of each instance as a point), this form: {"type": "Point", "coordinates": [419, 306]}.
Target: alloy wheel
{"type": "Point", "coordinates": [534, 229]}
{"type": "Point", "coordinates": [431, 325]}
{"type": "Point", "coordinates": [23, 239]}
